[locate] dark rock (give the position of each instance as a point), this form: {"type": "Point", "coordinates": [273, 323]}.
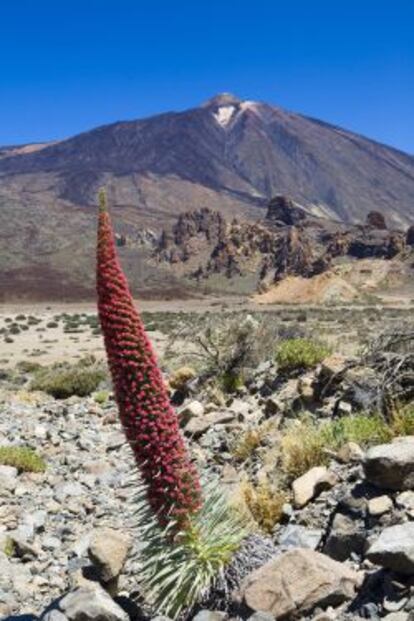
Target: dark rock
{"type": "Point", "coordinates": [346, 536]}
{"type": "Point", "coordinates": [282, 210]}
{"type": "Point", "coordinates": [376, 220]}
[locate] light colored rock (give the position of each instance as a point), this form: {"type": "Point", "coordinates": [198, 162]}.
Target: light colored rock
{"type": "Point", "coordinates": [379, 505]}
{"type": "Point", "coordinates": [344, 408]}
{"type": "Point", "coordinates": [295, 536]}
{"type": "Point", "coordinates": [298, 581]}
{"type": "Point", "coordinates": [8, 479]}
{"type": "Point", "coordinates": [311, 484]}
{"type": "Point", "coordinates": [197, 426]}
{"type": "Point", "coordinates": [95, 604]}
{"type": "Point", "coordinates": [394, 548]}
{"type": "Point", "coordinates": [405, 501]}
{"type": "Point", "coordinates": [210, 615]}
{"type": "Point", "coordinates": [261, 616]}
{"type": "Point", "coordinates": [108, 550]}
{"type": "Point", "coordinates": [305, 387]}
{"type": "Point", "coordinates": [350, 451]}
{"type": "Point", "coordinates": [190, 410]}
{"type": "Point", "coordinates": [333, 366]}
{"type": "Point", "coordinates": [8, 471]}
{"type": "Point", "coordinates": [391, 466]}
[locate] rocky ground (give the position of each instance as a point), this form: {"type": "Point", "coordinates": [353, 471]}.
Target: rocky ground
{"type": "Point", "coordinates": [344, 532]}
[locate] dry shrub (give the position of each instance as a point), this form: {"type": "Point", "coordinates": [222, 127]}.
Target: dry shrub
{"type": "Point", "coordinates": [302, 448]}
{"type": "Point", "coordinates": [181, 377]}
{"type": "Point", "coordinates": [265, 503]}
{"type": "Point", "coordinates": [252, 439]}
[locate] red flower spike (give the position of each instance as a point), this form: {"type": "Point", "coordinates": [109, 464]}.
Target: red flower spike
{"type": "Point", "coordinates": [149, 421]}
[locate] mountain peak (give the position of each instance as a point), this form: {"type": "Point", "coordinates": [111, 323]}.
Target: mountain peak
{"type": "Point", "coordinates": [222, 99]}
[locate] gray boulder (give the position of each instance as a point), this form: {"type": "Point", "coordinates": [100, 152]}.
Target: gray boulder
{"type": "Point", "coordinates": [391, 466]}
{"type": "Point", "coordinates": [394, 548]}
{"type": "Point", "coordinates": [91, 604]}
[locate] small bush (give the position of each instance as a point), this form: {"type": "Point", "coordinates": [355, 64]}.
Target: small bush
{"type": "Point", "coordinates": [28, 366]}
{"type": "Point", "coordinates": [265, 504]}
{"type": "Point", "coordinates": [302, 448]}
{"type": "Point", "coordinates": [9, 547]}
{"type": "Point", "coordinates": [230, 382]}
{"type": "Point", "coordinates": [64, 381]}
{"type": "Point", "coordinates": [300, 353]}
{"type": "Point", "coordinates": [306, 443]}
{"type": "Point", "coordinates": [181, 376]}
{"type": "Point", "coordinates": [101, 397]}
{"type": "Point", "coordinates": [364, 430]}
{"type": "Point", "coordinates": [252, 439]}
{"type": "Point", "coordinates": [247, 444]}
{"type": "Point", "coordinates": [402, 422]}
{"type": "Point", "coordinates": [22, 458]}
{"type": "Point", "coordinates": [52, 324]}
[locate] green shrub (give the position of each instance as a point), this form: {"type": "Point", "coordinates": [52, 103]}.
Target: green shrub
{"type": "Point", "coordinates": [306, 443]}
{"type": "Point", "coordinates": [300, 353]}
{"type": "Point", "coordinates": [63, 381]}
{"type": "Point", "coordinates": [362, 429]}
{"type": "Point", "coordinates": [101, 397]}
{"type": "Point", "coordinates": [9, 547]}
{"type": "Point", "coordinates": [21, 457]}
{"type": "Point", "coordinates": [175, 573]}
{"type": "Point", "coordinates": [230, 382]}
{"type": "Point", "coordinates": [28, 366]}
{"type": "Point", "coordinates": [52, 324]}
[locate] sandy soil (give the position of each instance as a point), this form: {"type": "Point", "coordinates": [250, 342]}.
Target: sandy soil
{"type": "Point", "coordinates": [46, 344]}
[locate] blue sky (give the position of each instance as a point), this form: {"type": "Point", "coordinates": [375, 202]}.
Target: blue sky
{"type": "Point", "coordinates": [69, 65]}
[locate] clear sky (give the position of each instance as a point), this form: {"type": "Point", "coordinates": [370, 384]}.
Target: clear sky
{"type": "Point", "coordinates": [69, 65]}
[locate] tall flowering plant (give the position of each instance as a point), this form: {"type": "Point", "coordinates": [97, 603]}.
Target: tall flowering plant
{"type": "Point", "coordinates": [186, 539]}
{"type": "Point", "coordinates": [149, 421]}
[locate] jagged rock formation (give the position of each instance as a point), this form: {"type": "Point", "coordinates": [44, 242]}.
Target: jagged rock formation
{"type": "Point", "coordinates": [376, 220]}
{"type": "Point", "coordinates": [282, 210]}
{"type": "Point", "coordinates": [287, 242]}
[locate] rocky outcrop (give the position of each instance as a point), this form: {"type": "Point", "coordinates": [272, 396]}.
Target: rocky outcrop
{"type": "Point", "coordinates": [376, 220]}
{"type": "Point", "coordinates": [410, 236]}
{"type": "Point", "coordinates": [287, 242]}
{"type": "Point", "coordinates": [282, 211]}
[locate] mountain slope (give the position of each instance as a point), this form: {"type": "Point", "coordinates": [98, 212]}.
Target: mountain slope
{"type": "Point", "coordinates": [228, 154]}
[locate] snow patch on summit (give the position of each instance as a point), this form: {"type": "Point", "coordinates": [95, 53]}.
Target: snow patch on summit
{"type": "Point", "coordinates": [224, 115]}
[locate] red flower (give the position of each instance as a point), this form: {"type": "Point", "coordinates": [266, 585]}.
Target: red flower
{"type": "Point", "coordinates": [149, 421]}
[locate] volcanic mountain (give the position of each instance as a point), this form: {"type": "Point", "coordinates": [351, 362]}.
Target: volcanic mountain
{"type": "Point", "coordinates": [229, 155]}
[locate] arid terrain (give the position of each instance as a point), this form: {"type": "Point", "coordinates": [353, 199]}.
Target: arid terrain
{"type": "Point", "coordinates": [51, 332]}
{"type": "Point", "coordinates": [296, 409]}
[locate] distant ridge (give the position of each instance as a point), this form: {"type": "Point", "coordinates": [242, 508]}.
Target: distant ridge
{"type": "Point", "coordinates": [228, 154]}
